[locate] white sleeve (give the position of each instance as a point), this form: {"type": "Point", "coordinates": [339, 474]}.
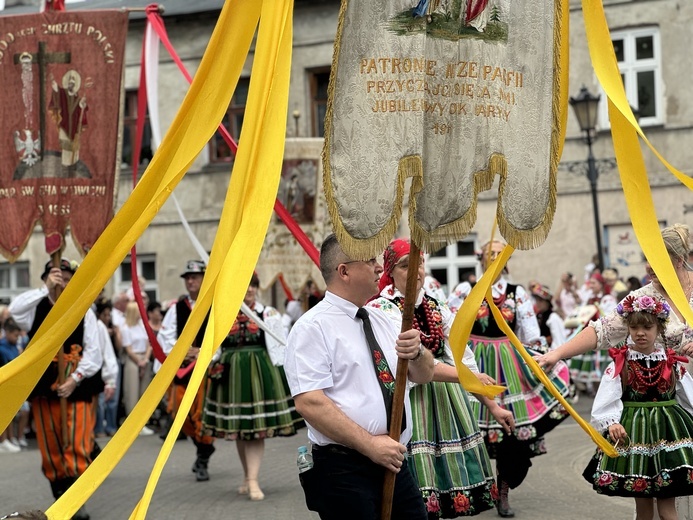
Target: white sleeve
{"type": "Point", "coordinates": [23, 307]}
{"type": "Point", "coordinates": [275, 349]}
{"type": "Point", "coordinates": [526, 324]}
{"type": "Point", "coordinates": [468, 357]}
{"type": "Point", "coordinates": [458, 295]}
{"type": "Point", "coordinates": [308, 362]}
{"type": "Point", "coordinates": [168, 333]}
{"type": "Point", "coordinates": [684, 390]}
{"type": "Point", "coordinates": [109, 370]}
{"type": "Point", "coordinates": [558, 335]}
{"type": "Point", "coordinates": [92, 359]}
{"type": "Point", "coordinates": [607, 406]}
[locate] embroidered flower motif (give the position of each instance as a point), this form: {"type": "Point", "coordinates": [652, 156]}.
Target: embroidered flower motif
{"type": "Point", "coordinates": [493, 436]}
{"type": "Point", "coordinates": [386, 377]}
{"type": "Point", "coordinates": [384, 374]}
{"type": "Point", "coordinates": [638, 485]}
{"type": "Point", "coordinates": [461, 503]}
{"type": "Point", "coordinates": [525, 433]}
{"type": "Point", "coordinates": [605, 479]}
{"type": "Point", "coordinates": [432, 504]}
{"type": "Point", "coordinates": [663, 480]}
{"type": "Point", "coordinates": [495, 495]}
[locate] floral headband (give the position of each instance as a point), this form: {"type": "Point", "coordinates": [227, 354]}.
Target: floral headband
{"type": "Point", "coordinates": [630, 304]}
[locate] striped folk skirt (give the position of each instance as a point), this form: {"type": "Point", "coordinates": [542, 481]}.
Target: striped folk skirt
{"type": "Point", "coordinates": [658, 460]}
{"type": "Point", "coordinates": [447, 454]}
{"type": "Point", "coordinates": [248, 397]}
{"type": "Point", "coordinates": [588, 368]}
{"type": "Point", "coordinates": [535, 410]}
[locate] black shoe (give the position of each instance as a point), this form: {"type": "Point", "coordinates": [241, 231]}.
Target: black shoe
{"type": "Point", "coordinates": [200, 469]}
{"type": "Point", "coordinates": [81, 514]}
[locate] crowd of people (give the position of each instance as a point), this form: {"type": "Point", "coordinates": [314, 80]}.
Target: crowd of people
{"type": "Point", "coordinates": [325, 363]}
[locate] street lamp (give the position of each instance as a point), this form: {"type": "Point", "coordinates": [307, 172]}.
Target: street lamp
{"type": "Point", "coordinates": [585, 106]}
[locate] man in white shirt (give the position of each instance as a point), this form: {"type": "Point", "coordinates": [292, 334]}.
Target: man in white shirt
{"type": "Point", "coordinates": [63, 460]}
{"type": "Point", "coordinates": [330, 369]}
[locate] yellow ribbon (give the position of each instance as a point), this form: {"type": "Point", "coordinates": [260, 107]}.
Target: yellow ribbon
{"type": "Point", "coordinates": [631, 166]}
{"type": "Point", "coordinates": [466, 316]}
{"type": "Point", "coordinates": [244, 222]}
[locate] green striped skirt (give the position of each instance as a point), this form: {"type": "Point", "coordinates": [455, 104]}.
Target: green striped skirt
{"type": "Point", "coordinates": [535, 409]}
{"type": "Point", "coordinates": [658, 460]}
{"type": "Point", "coordinates": [447, 454]}
{"type": "Point", "coordinates": [248, 397]}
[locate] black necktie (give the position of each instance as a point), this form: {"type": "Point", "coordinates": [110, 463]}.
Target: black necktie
{"type": "Point", "coordinates": [382, 368]}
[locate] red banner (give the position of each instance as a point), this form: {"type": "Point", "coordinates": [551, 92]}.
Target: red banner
{"type": "Point", "coordinates": [60, 75]}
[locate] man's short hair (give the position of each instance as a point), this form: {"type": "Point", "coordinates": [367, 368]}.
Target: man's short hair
{"type": "Point", "coordinates": [331, 255]}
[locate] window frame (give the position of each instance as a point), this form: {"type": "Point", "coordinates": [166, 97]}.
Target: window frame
{"type": "Point", "coordinates": [13, 289]}
{"type": "Point", "coordinates": [130, 110]}
{"type": "Point", "coordinates": [232, 112]}
{"type": "Point", "coordinates": [452, 262]}
{"type": "Point", "coordinates": [315, 102]}
{"type": "Point", "coordinates": [629, 69]}
{"type": "Point", "coordinates": [151, 287]}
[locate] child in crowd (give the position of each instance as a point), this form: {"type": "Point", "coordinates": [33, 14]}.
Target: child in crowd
{"type": "Point", "coordinates": [644, 402]}
{"type": "Point", "coordinates": [10, 348]}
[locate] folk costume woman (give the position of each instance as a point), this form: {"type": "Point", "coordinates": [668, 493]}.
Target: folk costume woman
{"type": "Point", "coordinates": [446, 452]}
{"type": "Point", "coordinates": [644, 404]}
{"type": "Point", "coordinates": [248, 398]}
{"type": "Point", "coordinates": [586, 369]}
{"type": "Point", "coordinates": [535, 410]}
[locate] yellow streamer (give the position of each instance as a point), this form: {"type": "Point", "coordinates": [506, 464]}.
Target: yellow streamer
{"type": "Point", "coordinates": [631, 166]}
{"type": "Point", "coordinates": [195, 123]}
{"type": "Point", "coordinates": [483, 287]}
{"type": "Point", "coordinates": [459, 333]}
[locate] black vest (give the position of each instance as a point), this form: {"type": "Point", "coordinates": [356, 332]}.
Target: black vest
{"type": "Point", "coordinates": [89, 387]}
{"type": "Point", "coordinates": [183, 311]}
{"type": "Point", "coordinates": [492, 330]}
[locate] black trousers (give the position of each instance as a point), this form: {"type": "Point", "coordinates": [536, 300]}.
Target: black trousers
{"type": "Point", "coordinates": [344, 484]}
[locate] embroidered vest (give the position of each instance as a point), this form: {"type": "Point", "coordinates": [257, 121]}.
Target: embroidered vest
{"type": "Point", "coordinates": [89, 387]}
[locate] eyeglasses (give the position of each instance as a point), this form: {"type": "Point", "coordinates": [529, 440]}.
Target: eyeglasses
{"type": "Point", "coordinates": [372, 263]}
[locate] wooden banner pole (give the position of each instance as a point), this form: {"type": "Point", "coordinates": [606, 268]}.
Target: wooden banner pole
{"type": "Point", "coordinates": [55, 261]}
{"type": "Point", "coordinates": [401, 379]}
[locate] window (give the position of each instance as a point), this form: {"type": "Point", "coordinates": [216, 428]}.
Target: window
{"type": "Point", "coordinates": [14, 279]}
{"type": "Point", "coordinates": [219, 151]}
{"type": "Point", "coordinates": [130, 131]}
{"type": "Point", "coordinates": [146, 268]}
{"type": "Point", "coordinates": [452, 264]}
{"type": "Point", "coordinates": [318, 80]}
{"type": "Point", "coordinates": [639, 56]}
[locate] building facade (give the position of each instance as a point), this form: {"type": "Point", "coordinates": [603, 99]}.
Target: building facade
{"type": "Point", "coordinates": [657, 71]}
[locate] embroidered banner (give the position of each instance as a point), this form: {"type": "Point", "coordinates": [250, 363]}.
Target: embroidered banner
{"type": "Point", "coordinates": [449, 92]}
{"type": "Point", "coordinates": [60, 74]}
{"type": "Point", "coordinates": [299, 192]}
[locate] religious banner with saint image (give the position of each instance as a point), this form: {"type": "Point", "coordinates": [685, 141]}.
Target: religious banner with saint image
{"type": "Point", "coordinates": [60, 74]}
{"type": "Point", "coordinates": [451, 93]}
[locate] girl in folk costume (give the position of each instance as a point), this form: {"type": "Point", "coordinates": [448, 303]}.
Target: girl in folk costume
{"type": "Point", "coordinates": [248, 398]}
{"type": "Point", "coordinates": [644, 403]}
{"type": "Point", "coordinates": [550, 323]}
{"type": "Point", "coordinates": [586, 369]}
{"type": "Point", "coordinates": [446, 452]}
{"type": "Point", "coordinates": [535, 410]}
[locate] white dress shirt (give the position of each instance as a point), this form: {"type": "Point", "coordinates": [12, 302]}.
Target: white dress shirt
{"type": "Point", "coordinates": [23, 310]}
{"type": "Point", "coordinates": [327, 350]}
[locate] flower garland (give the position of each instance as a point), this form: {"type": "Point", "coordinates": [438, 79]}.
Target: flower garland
{"type": "Point", "coordinates": [630, 304]}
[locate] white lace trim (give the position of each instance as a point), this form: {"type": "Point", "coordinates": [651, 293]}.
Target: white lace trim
{"type": "Point", "coordinates": [657, 355]}
{"type": "Point", "coordinates": [603, 423]}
